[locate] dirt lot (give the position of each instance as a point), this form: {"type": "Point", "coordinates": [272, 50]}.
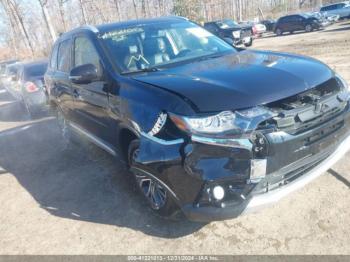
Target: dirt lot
{"type": "Point", "coordinates": [77, 200]}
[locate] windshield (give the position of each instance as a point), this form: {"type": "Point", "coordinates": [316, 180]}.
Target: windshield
{"type": "Point", "coordinates": [227, 24]}
{"type": "Point", "coordinates": [143, 47]}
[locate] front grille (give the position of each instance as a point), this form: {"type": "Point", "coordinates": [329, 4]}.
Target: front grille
{"type": "Point", "coordinates": [306, 110]}
{"type": "Point", "coordinates": [293, 175]}
{"type": "Point", "coordinates": [246, 33]}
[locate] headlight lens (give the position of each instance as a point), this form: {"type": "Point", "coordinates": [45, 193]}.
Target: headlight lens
{"type": "Point", "coordinates": [236, 34]}
{"type": "Point", "coordinates": [211, 124]}
{"type": "Point", "coordinates": [227, 121]}
{"type": "Point", "coordinates": [342, 82]}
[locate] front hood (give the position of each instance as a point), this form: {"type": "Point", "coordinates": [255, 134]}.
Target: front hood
{"type": "Point", "coordinates": [240, 80]}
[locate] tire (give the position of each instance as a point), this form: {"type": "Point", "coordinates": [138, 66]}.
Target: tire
{"type": "Point", "coordinates": [160, 201]}
{"type": "Point", "coordinates": [309, 28]}
{"type": "Point", "coordinates": [279, 32]}
{"type": "Point", "coordinates": [250, 43]}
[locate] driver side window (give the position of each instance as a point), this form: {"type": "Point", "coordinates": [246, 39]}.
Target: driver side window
{"type": "Point", "coordinates": [85, 53]}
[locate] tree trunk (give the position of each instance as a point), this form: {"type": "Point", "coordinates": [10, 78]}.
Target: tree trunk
{"type": "Point", "coordinates": [82, 11]}
{"type": "Point", "coordinates": [63, 20]}
{"type": "Point", "coordinates": [19, 19]}
{"type": "Point", "coordinates": [135, 9]}
{"type": "Point", "coordinates": [47, 20]}
{"type": "Point", "coordinates": [117, 9]}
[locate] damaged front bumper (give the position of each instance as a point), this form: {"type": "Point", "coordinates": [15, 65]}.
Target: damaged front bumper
{"type": "Point", "coordinates": [259, 201]}
{"type": "Point", "coordinates": [191, 168]}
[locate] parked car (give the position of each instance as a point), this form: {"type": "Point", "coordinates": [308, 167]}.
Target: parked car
{"type": "Point", "coordinates": [269, 24]}
{"type": "Point", "coordinates": [28, 85]}
{"type": "Point", "coordinates": [231, 32]}
{"type": "Point", "coordinates": [3, 66]}
{"type": "Point", "coordinates": [9, 77]}
{"type": "Point", "coordinates": [204, 128]}
{"type": "Point", "coordinates": [342, 9]}
{"type": "Point", "coordinates": [258, 29]}
{"type": "Point", "coordinates": [292, 23]}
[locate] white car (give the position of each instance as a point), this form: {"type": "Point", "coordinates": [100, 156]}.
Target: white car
{"type": "Point", "coordinates": [342, 9]}
{"type": "Point", "coordinates": [259, 29]}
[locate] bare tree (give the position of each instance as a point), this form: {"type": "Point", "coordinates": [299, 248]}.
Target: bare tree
{"type": "Point", "coordinates": [15, 9]}
{"type": "Point", "coordinates": [47, 19]}
{"type": "Point", "coordinates": [135, 8]}
{"type": "Point", "coordinates": [81, 5]}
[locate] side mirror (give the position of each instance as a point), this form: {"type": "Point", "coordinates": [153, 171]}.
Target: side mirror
{"type": "Point", "coordinates": [84, 74]}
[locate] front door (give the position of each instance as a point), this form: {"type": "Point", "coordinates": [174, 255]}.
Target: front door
{"type": "Point", "coordinates": [90, 100]}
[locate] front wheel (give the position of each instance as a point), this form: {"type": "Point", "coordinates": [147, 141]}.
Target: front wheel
{"type": "Point", "coordinates": [250, 43]}
{"type": "Point", "coordinates": [156, 194]}
{"type": "Point", "coordinates": [308, 28]}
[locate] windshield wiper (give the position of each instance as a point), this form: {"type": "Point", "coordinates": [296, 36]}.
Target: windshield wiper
{"type": "Point", "coordinates": [143, 70]}
{"type": "Point", "coordinates": [213, 56]}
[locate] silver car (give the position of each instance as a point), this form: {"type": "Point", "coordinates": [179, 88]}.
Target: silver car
{"type": "Point", "coordinates": [342, 9]}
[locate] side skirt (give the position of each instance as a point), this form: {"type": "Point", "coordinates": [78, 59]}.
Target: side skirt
{"type": "Point", "coordinates": [94, 139]}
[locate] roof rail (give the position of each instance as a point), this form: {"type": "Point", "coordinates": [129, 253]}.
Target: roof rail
{"type": "Point", "coordinates": [89, 27]}
{"type": "Point", "coordinates": [177, 16]}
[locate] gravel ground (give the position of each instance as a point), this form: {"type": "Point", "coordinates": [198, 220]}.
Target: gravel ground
{"type": "Point", "coordinates": [78, 200]}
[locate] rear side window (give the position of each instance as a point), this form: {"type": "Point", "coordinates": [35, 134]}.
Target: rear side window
{"type": "Point", "coordinates": [340, 6]}
{"type": "Point", "coordinates": [11, 70]}
{"type": "Point", "coordinates": [85, 53]}
{"type": "Point", "coordinates": [284, 19]}
{"type": "Point", "coordinates": [35, 70]}
{"type": "Point", "coordinates": [64, 56]}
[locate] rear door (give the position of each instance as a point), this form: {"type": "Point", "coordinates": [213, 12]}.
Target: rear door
{"type": "Point", "coordinates": [284, 24]}
{"type": "Point", "coordinates": [299, 22]}
{"type": "Point", "coordinates": [91, 100]}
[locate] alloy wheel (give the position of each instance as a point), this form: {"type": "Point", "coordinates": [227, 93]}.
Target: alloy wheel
{"type": "Point", "coordinates": [308, 28]}
{"type": "Point", "coordinates": [153, 191]}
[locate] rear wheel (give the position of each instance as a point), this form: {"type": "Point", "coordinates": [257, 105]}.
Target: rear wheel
{"type": "Point", "coordinates": [308, 28]}
{"type": "Point", "coordinates": [279, 32]}
{"type": "Point", "coordinates": [157, 196]}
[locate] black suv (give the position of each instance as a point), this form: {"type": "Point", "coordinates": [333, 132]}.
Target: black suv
{"type": "Point", "coordinates": [231, 32]}
{"type": "Point", "coordinates": [292, 23]}
{"type": "Point", "coordinates": [204, 128]}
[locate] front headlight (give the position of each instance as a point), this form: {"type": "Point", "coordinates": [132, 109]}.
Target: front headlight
{"type": "Point", "coordinates": [224, 122]}
{"type": "Point", "coordinates": [342, 82]}
{"type": "Point", "coordinates": [236, 34]}
{"type": "Point", "coordinates": [210, 124]}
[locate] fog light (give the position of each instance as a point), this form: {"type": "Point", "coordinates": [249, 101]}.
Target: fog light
{"type": "Point", "coordinates": [257, 170]}
{"type": "Point", "coordinates": [218, 192]}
